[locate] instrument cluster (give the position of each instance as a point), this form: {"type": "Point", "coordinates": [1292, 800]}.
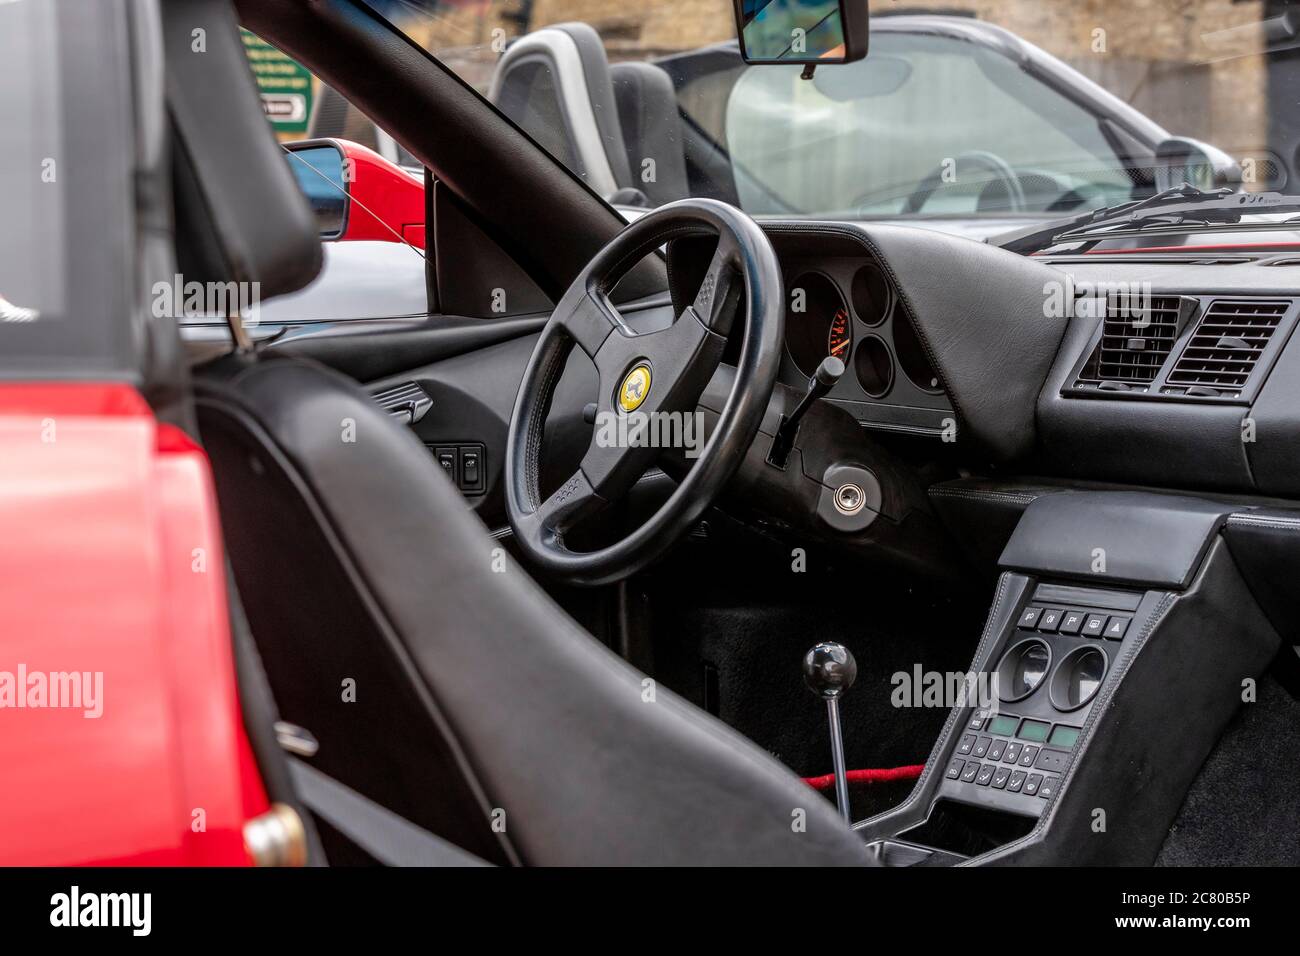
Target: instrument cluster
{"type": "Point", "coordinates": [848, 308]}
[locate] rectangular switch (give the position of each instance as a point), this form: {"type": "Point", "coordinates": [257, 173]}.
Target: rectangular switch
{"type": "Point", "coordinates": [446, 456]}
{"type": "Point", "coordinates": [471, 468]}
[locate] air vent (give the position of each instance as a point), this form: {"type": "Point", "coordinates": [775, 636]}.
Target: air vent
{"type": "Point", "coordinates": [1137, 336]}
{"type": "Point", "coordinates": [408, 402]}
{"type": "Point", "coordinates": [1227, 344]}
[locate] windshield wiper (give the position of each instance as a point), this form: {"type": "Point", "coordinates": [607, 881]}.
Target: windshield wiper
{"type": "Point", "coordinates": [1183, 205]}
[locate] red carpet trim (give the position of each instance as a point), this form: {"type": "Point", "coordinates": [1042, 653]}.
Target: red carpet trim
{"type": "Point", "coordinates": [867, 776]}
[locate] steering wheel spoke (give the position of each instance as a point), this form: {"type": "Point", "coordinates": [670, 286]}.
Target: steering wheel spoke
{"type": "Point", "coordinates": [719, 296]}
{"type": "Point", "coordinates": [563, 510]}
{"type": "Point", "coordinates": [622, 449]}
{"type": "Point", "coordinates": [586, 319]}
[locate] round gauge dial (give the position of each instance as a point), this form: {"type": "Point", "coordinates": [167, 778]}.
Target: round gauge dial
{"type": "Point", "coordinates": [817, 322]}
{"type": "Point", "coordinates": [840, 340]}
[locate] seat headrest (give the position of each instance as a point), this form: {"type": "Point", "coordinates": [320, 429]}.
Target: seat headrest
{"type": "Point", "coordinates": [652, 129]}
{"type": "Point", "coordinates": [240, 215]}
{"type": "Point", "coordinates": [555, 85]}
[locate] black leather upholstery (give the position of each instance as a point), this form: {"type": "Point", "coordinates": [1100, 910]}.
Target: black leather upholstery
{"type": "Point", "coordinates": [652, 129]}
{"type": "Point", "coordinates": [358, 559]}
{"type": "Point", "coordinates": [1117, 537]}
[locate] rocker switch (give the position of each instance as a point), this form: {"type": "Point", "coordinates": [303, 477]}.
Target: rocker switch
{"type": "Point", "coordinates": [470, 468]}
{"type": "Point", "coordinates": [447, 458]}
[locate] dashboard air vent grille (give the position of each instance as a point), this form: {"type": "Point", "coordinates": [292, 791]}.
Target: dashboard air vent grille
{"type": "Point", "coordinates": [1227, 344]}
{"type": "Point", "coordinates": [1137, 335]}
{"type": "Point", "coordinates": [408, 402]}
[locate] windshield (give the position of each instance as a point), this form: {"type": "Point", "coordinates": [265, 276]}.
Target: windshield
{"type": "Point", "coordinates": [976, 116]}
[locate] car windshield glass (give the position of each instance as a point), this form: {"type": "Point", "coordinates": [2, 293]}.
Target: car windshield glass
{"type": "Point", "coordinates": [972, 115]}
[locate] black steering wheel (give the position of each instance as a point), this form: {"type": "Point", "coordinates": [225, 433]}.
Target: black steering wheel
{"type": "Point", "coordinates": [644, 377]}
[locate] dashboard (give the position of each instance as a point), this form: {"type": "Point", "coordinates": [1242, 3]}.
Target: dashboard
{"type": "Point", "coordinates": [1044, 367]}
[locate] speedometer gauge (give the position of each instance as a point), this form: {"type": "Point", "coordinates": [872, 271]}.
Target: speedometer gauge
{"type": "Point", "coordinates": [817, 321]}
{"type": "Point", "coordinates": [840, 340]}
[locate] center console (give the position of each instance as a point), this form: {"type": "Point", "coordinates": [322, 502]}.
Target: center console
{"type": "Point", "coordinates": [1118, 644]}
{"type": "Point", "coordinates": [1045, 684]}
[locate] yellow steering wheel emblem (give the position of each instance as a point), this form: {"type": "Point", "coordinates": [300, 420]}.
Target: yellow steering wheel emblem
{"type": "Point", "coordinates": [635, 387]}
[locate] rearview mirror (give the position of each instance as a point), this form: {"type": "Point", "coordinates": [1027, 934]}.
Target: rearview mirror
{"type": "Point", "coordinates": [802, 31]}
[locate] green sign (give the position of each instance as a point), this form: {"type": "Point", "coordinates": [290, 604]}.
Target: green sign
{"type": "Point", "coordinates": [285, 85]}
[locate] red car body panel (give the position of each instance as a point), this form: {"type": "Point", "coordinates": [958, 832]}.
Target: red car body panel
{"type": "Point", "coordinates": [112, 563]}
{"type": "Point", "coordinates": [387, 202]}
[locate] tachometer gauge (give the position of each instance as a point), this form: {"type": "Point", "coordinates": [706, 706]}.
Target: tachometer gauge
{"type": "Point", "coordinates": [840, 340]}
{"type": "Point", "coordinates": [817, 321]}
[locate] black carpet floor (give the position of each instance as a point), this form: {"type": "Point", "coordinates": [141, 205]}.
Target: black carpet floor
{"type": "Point", "coordinates": [1243, 809]}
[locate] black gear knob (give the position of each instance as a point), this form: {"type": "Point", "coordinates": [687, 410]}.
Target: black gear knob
{"type": "Point", "coordinates": [829, 670]}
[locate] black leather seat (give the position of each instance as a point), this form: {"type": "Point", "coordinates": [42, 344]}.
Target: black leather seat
{"type": "Point", "coordinates": [438, 678]}
{"type": "Point", "coordinates": [652, 129]}
{"type": "Point", "coordinates": [476, 697]}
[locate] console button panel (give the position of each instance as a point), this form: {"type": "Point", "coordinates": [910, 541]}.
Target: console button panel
{"type": "Point", "coordinates": [1015, 751]}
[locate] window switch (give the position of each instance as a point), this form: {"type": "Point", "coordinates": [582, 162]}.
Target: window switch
{"type": "Point", "coordinates": [447, 458]}
{"type": "Point", "coordinates": [471, 468]}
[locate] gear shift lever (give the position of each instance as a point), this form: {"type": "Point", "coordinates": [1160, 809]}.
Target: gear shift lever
{"type": "Point", "coordinates": [829, 670]}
